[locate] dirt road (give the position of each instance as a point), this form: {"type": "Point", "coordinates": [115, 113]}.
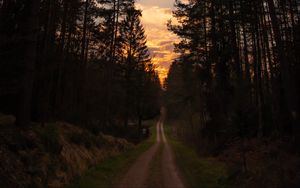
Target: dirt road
{"type": "Point", "coordinates": [138, 175]}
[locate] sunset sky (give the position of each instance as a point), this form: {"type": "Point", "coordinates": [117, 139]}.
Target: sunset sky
{"type": "Point", "coordinates": [156, 13]}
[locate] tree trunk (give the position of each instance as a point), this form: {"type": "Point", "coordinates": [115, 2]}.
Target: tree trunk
{"type": "Point", "coordinates": [59, 89]}
{"type": "Point", "coordinates": [29, 28]}
{"type": "Point", "coordinates": [235, 49]}
{"type": "Point", "coordinates": [82, 71]}
{"type": "Point", "coordinates": [287, 83]}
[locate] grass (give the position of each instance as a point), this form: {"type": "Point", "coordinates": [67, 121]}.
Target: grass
{"type": "Point", "coordinates": [198, 171]}
{"type": "Point", "coordinates": [106, 174]}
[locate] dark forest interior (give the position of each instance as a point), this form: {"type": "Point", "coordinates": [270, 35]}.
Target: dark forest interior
{"type": "Point", "coordinates": [234, 90]}
{"type": "Point", "coordinates": [76, 61]}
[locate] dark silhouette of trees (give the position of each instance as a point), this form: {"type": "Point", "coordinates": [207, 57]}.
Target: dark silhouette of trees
{"type": "Point", "coordinates": [236, 76]}
{"type": "Point", "coordinates": [28, 38]}
{"type": "Point", "coordinates": [70, 60]}
{"type": "Point", "coordinates": [136, 61]}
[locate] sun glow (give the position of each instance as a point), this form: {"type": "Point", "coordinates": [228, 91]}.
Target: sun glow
{"type": "Point", "coordinates": [160, 40]}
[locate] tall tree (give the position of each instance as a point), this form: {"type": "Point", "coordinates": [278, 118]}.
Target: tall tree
{"type": "Point", "coordinates": [29, 30]}
{"type": "Point", "coordinates": [136, 58]}
{"type": "Point", "coordinates": [235, 63]}
{"type": "Point", "coordinates": [69, 60]}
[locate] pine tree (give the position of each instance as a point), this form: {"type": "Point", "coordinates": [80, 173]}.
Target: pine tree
{"type": "Point", "coordinates": [238, 58]}
{"type": "Point", "coordinates": [74, 63]}
{"type": "Point", "coordinates": [136, 57]}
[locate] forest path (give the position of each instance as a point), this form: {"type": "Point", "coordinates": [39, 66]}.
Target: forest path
{"type": "Point", "coordinates": [166, 174]}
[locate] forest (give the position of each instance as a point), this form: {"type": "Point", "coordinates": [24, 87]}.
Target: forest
{"type": "Point", "coordinates": [76, 80]}
{"type": "Point", "coordinates": [79, 88]}
{"type": "Point", "coordinates": [236, 81]}
{"type": "Point", "coordinates": [84, 62]}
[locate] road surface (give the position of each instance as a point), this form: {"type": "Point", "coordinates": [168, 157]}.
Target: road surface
{"type": "Point", "coordinates": [138, 174]}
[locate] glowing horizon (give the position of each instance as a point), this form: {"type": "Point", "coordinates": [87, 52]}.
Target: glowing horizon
{"type": "Point", "coordinates": [159, 40]}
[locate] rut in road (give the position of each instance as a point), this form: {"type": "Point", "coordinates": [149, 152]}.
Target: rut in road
{"type": "Point", "coordinates": [138, 174]}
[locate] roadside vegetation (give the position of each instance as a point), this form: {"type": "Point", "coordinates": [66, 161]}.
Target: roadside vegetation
{"type": "Point", "coordinates": [198, 171]}
{"type": "Point", "coordinates": [51, 155]}
{"type": "Point", "coordinates": [106, 174]}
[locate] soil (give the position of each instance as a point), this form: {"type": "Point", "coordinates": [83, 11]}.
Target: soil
{"type": "Point", "coordinates": [137, 175]}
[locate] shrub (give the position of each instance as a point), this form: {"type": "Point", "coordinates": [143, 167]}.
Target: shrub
{"type": "Point", "coordinates": [86, 139]}
{"type": "Point", "coordinates": [50, 138]}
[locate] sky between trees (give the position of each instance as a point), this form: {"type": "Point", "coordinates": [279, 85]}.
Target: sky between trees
{"type": "Point", "coordinates": [156, 13]}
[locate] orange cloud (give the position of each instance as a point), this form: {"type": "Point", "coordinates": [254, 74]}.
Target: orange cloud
{"type": "Point", "coordinates": [160, 40]}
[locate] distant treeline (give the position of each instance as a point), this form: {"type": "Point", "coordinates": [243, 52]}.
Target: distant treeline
{"type": "Point", "coordinates": [83, 61]}
{"type": "Point", "coordinates": [237, 75]}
